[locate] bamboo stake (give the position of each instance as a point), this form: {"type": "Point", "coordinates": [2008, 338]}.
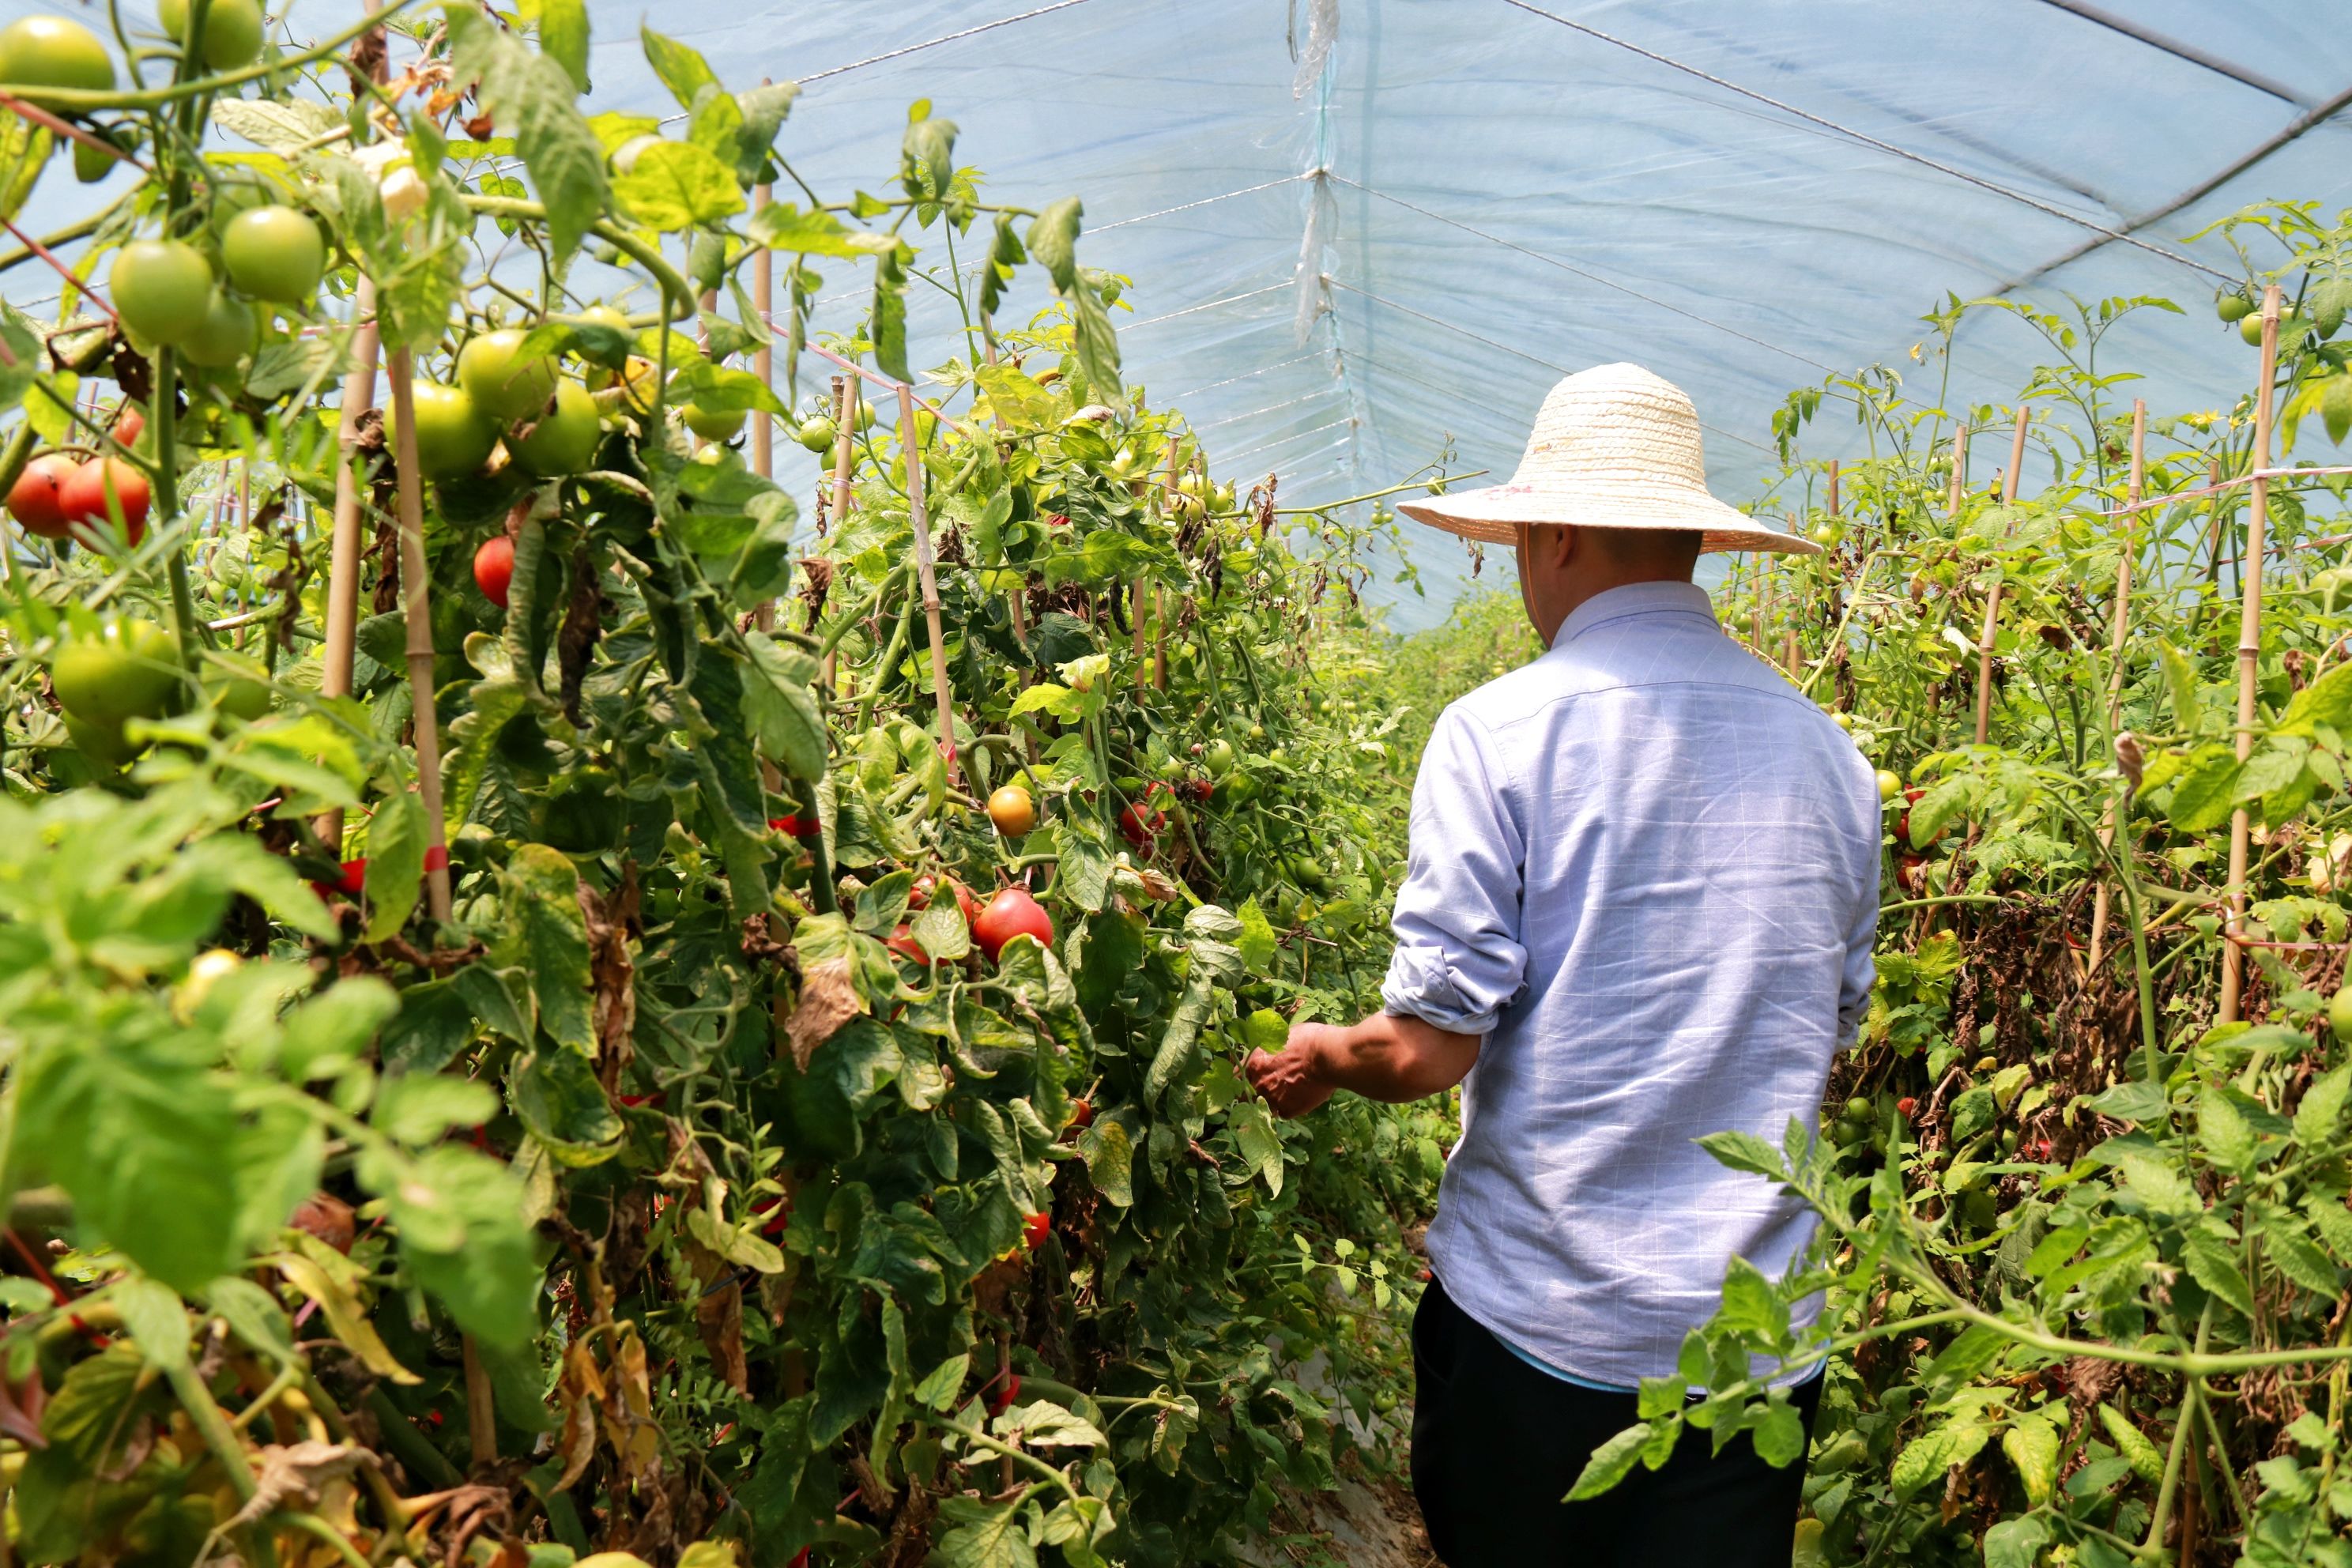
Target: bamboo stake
{"type": "Point", "coordinates": [1158, 639]}
{"type": "Point", "coordinates": [415, 590]}
{"type": "Point", "coordinates": [845, 408]}
{"type": "Point", "coordinates": [1789, 658]}
{"type": "Point", "coordinates": [912, 448]}
{"type": "Point", "coordinates": [343, 550]}
{"type": "Point", "coordinates": [2249, 647]}
{"type": "Point", "coordinates": [482, 1409]}
{"type": "Point", "coordinates": [2115, 652]}
{"type": "Point", "coordinates": [1992, 599]}
{"type": "Point", "coordinates": [1960, 470]}
{"type": "Point", "coordinates": [1834, 488]}
{"type": "Point", "coordinates": [764, 425]}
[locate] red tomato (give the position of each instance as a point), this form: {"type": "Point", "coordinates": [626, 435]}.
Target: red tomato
{"type": "Point", "coordinates": [129, 425]}
{"type": "Point", "coordinates": [791, 826]}
{"type": "Point", "coordinates": [779, 1213]}
{"type": "Point", "coordinates": [902, 942]}
{"type": "Point", "coordinates": [1140, 825]}
{"type": "Point", "coordinates": [38, 497]}
{"type": "Point", "coordinates": [1002, 1400]}
{"type": "Point", "coordinates": [1082, 1113]}
{"type": "Point", "coordinates": [355, 877]}
{"type": "Point", "coordinates": [1198, 790]}
{"type": "Point", "coordinates": [1011, 913]}
{"type": "Point", "coordinates": [800, 1559]}
{"type": "Point", "coordinates": [494, 568]}
{"type": "Point", "coordinates": [1905, 1106]}
{"type": "Point", "coordinates": [84, 494]}
{"type": "Point", "coordinates": [327, 1217]}
{"type": "Point", "coordinates": [1034, 1229]}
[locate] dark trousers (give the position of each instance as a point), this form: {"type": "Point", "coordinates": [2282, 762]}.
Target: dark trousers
{"type": "Point", "coordinates": [1497, 1444]}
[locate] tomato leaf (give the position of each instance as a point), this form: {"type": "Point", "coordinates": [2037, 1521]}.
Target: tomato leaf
{"type": "Point", "coordinates": [395, 856]}
{"type": "Point", "coordinates": [1610, 1463]}
{"type": "Point", "coordinates": [678, 184]}
{"type": "Point", "coordinates": [534, 97]}
{"type": "Point", "coordinates": [547, 937]}
{"type": "Point", "coordinates": [2212, 1263]}
{"type": "Point", "coordinates": [562, 1106]}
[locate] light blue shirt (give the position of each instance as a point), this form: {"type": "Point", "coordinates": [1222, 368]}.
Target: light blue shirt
{"type": "Point", "coordinates": [1645, 869]}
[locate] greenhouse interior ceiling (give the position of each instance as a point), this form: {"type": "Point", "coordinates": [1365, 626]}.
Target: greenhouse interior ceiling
{"type": "Point", "coordinates": [1365, 234]}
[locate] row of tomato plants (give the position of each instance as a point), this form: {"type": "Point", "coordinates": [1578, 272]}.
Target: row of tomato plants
{"type": "Point", "coordinates": [523, 1033]}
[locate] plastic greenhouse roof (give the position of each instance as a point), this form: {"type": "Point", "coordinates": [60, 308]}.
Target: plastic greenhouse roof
{"type": "Point", "coordinates": [1338, 270]}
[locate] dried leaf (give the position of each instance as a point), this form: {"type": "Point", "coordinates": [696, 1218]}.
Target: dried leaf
{"type": "Point", "coordinates": [829, 999]}
{"type": "Point", "coordinates": [295, 1474]}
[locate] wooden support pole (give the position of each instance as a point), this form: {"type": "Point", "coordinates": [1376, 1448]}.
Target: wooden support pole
{"type": "Point", "coordinates": [910, 444]}
{"type": "Point", "coordinates": [2249, 647]}
{"type": "Point", "coordinates": [1789, 657]}
{"type": "Point", "coordinates": [345, 543]}
{"type": "Point", "coordinates": [1158, 639]}
{"type": "Point", "coordinates": [1833, 488]}
{"type": "Point", "coordinates": [1992, 599]}
{"type": "Point", "coordinates": [844, 410]}
{"type": "Point", "coordinates": [1960, 470]}
{"type": "Point", "coordinates": [763, 364]}
{"type": "Point", "coordinates": [2130, 544]}
{"type": "Point", "coordinates": [417, 591]}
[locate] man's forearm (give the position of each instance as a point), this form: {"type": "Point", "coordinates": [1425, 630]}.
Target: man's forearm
{"type": "Point", "coordinates": [1393, 1057]}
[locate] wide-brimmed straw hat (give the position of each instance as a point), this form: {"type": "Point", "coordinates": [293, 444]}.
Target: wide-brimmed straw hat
{"type": "Point", "coordinates": [1613, 447]}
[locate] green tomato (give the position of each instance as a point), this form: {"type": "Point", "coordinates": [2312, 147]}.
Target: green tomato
{"type": "Point", "coordinates": [504, 387]}
{"type": "Point", "coordinates": [102, 742]}
{"type": "Point", "coordinates": [227, 335]}
{"type": "Point", "coordinates": [2232, 305]}
{"type": "Point", "coordinates": [1239, 788]}
{"type": "Point", "coordinates": [275, 253]}
{"type": "Point", "coordinates": [92, 164]}
{"type": "Point", "coordinates": [453, 439]}
{"type": "Point", "coordinates": [162, 290]}
{"type": "Point", "coordinates": [232, 30]}
{"type": "Point", "coordinates": [2339, 1016]}
{"type": "Point", "coordinates": [818, 435]}
{"type": "Point", "coordinates": [239, 686]}
{"type": "Point", "coordinates": [1890, 784]}
{"type": "Point", "coordinates": [1217, 757]}
{"type": "Point", "coordinates": [714, 424]}
{"type": "Point", "coordinates": [131, 670]}
{"type": "Point", "coordinates": [51, 51]}
{"type": "Point", "coordinates": [564, 441]}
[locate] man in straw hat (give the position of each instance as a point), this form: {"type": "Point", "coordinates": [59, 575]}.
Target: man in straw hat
{"type": "Point", "coordinates": [1639, 910]}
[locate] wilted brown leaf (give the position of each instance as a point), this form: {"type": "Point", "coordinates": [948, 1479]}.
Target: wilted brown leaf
{"type": "Point", "coordinates": [295, 1474]}
{"type": "Point", "coordinates": [829, 999]}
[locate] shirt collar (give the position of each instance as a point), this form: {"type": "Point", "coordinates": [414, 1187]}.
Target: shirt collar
{"type": "Point", "coordinates": [1635, 599]}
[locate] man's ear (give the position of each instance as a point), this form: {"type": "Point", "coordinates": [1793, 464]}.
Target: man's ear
{"type": "Point", "coordinates": [1564, 546]}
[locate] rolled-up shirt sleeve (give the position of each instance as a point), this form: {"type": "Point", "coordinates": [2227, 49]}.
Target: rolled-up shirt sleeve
{"type": "Point", "coordinates": [1459, 960]}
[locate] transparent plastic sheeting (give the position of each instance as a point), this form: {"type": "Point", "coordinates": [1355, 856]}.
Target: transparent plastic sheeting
{"type": "Point", "coordinates": [1340, 270]}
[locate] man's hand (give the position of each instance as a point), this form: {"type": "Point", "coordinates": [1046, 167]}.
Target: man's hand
{"type": "Point", "coordinates": [1387, 1056]}
{"type": "Point", "coordinates": [1289, 1078]}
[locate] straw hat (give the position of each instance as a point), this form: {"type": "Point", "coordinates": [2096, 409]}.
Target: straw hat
{"type": "Point", "coordinates": [1614, 447]}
